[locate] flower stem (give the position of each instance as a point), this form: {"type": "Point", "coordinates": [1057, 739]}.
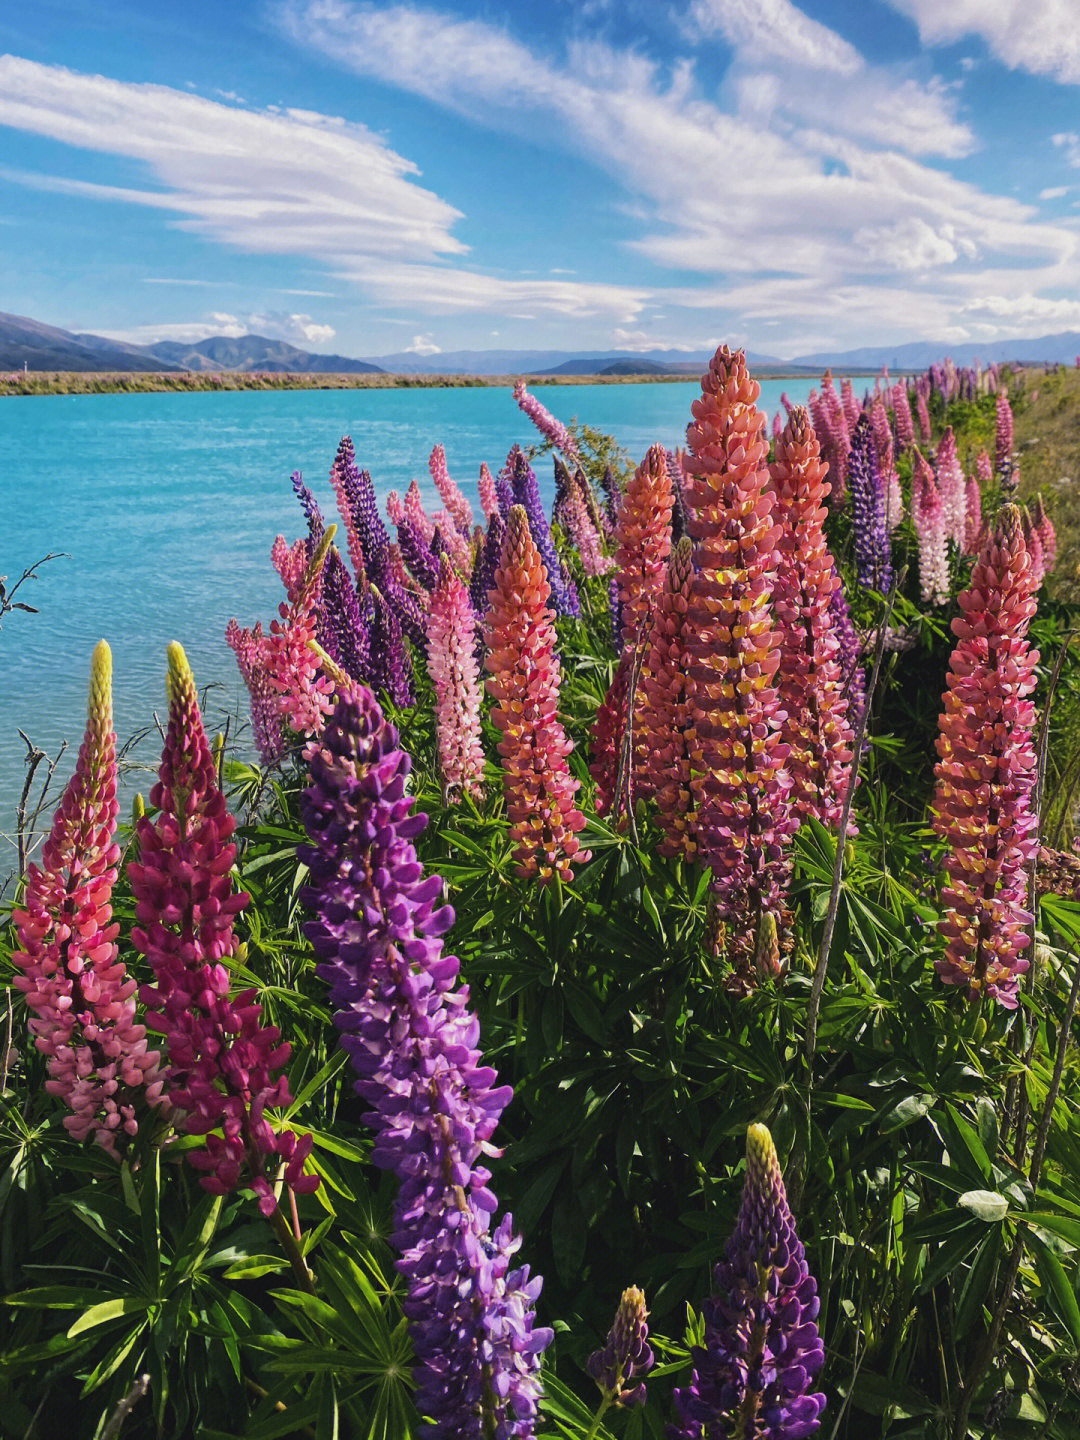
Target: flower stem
{"type": "Point", "coordinates": [594, 1428]}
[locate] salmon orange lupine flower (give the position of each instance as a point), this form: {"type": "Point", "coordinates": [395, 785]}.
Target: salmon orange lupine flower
{"type": "Point", "coordinates": [812, 693]}
{"type": "Point", "coordinates": [451, 655]}
{"type": "Point", "coordinates": [643, 538]}
{"type": "Point", "coordinates": [524, 682]}
{"type": "Point", "coordinates": [81, 999]}
{"type": "Point", "coordinates": [986, 772]}
{"type": "Point", "coordinates": [741, 786]}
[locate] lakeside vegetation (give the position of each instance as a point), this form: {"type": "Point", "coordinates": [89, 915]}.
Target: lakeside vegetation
{"type": "Point", "coordinates": [764, 973]}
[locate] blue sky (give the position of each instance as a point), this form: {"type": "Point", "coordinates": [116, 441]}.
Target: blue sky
{"type": "Point", "coordinates": [369, 178]}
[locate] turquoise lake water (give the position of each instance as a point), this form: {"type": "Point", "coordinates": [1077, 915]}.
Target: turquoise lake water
{"type": "Point", "coordinates": [167, 505]}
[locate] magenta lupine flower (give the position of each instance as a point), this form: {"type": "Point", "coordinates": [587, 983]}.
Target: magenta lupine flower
{"type": "Point", "coordinates": [414, 509]}
{"type": "Point", "coordinates": [451, 656]}
{"type": "Point", "coordinates": [551, 429]}
{"type": "Point", "coordinates": [222, 1061]}
{"type": "Point", "coordinates": [952, 488]}
{"type": "Point", "coordinates": [928, 517]}
{"type": "Point", "coordinates": [585, 536]}
{"type": "Point", "coordinates": [489, 500]}
{"type": "Point", "coordinates": [266, 721]}
{"type": "Point", "coordinates": [290, 665]}
{"type": "Point", "coordinates": [627, 1357]}
{"type": "Point", "coordinates": [752, 1377]}
{"type": "Point", "coordinates": [1003, 440]}
{"type": "Point", "coordinates": [986, 772]}
{"type": "Point", "coordinates": [459, 508]}
{"type": "Point", "coordinates": [905, 422]}
{"type": "Point", "coordinates": [973, 516]}
{"type": "Point", "coordinates": [81, 999]}
{"type": "Point", "coordinates": [884, 458]}
{"type": "Point", "coordinates": [433, 1104]}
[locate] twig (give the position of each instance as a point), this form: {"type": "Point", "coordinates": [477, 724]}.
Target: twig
{"type": "Point", "coordinates": [124, 1409]}
{"type": "Point", "coordinates": [814, 1003]}
{"type": "Point", "coordinates": [7, 600]}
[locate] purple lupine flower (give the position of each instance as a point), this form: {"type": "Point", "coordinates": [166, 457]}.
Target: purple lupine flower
{"type": "Point", "coordinates": [552, 430]}
{"type": "Point", "coordinates": [344, 619]}
{"type": "Point", "coordinates": [563, 487]}
{"type": "Point", "coordinates": [407, 1027]}
{"type": "Point", "coordinates": [564, 596]}
{"type": "Point", "coordinates": [627, 1356]}
{"type": "Point", "coordinates": [752, 1378]}
{"type": "Point", "coordinates": [391, 664]}
{"type": "Point", "coordinates": [615, 607]}
{"type": "Point", "coordinates": [417, 553]}
{"type": "Point", "coordinates": [850, 654]}
{"type": "Point", "coordinates": [487, 562]}
{"type": "Point", "coordinates": [504, 490]}
{"type": "Point", "coordinates": [369, 540]}
{"type": "Point", "coordinates": [310, 506]}
{"type": "Point", "coordinates": [612, 495]}
{"type": "Point", "coordinates": [873, 552]}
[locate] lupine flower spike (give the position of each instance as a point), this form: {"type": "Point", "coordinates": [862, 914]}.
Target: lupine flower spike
{"type": "Point", "coordinates": [223, 1063]}
{"type": "Point", "coordinates": [741, 788]}
{"type": "Point", "coordinates": [873, 548]}
{"type": "Point", "coordinates": [928, 517]}
{"type": "Point", "coordinates": [434, 1106]}
{"type": "Point", "coordinates": [81, 1000]}
{"type": "Point", "coordinates": [1033, 545]}
{"type": "Point", "coordinates": [951, 488]}
{"type": "Point", "coordinates": [453, 669]}
{"type": "Point", "coordinates": [812, 691]}
{"type": "Point", "coordinates": [986, 772]}
{"type": "Point", "coordinates": [455, 502]}
{"type": "Point", "coordinates": [489, 499]}
{"type": "Point", "coordinates": [1003, 441]}
{"type": "Point", "coordinates": [266, 722]}
{"type": "Point", "coordinates": [752, 1378]}
{"type": "Point", "coordinates": [973, 516]}
{"type": "Point", "coordinates": [643, 537]}
{"type": "Point", "coordinates": [1044, 528]}
{"type": "Point", "coordinates": [551, 429]}
{"type": "Point", "coordinates": [626, 1358]}
{"type": "Point", "coordinates": [524, 682]}
{"type": "Point", "coordinates": [291, 667]}
{"type": "Point", "coordinates": [664, 719]}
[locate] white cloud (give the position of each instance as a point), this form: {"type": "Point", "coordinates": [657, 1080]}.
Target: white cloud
{"type": "Point", "coordinates": [1069, 141]}
{"type": "Point", "coordinates": [776, 28]}
{"type": "Point", "coordinates": [1054, 192]}
{"type": "Point", "coordinates": [1042, 36]}
{"type": "Point", "coordinates": [299, 330]}
{"type": "Point", "coordinates": [423, 345]}
{"type": "Point", "coordinates": [444, 291]}
{"type": "Point", "coordinates": [286, 182]}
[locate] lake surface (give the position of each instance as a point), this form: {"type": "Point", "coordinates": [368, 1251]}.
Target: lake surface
{"type": "Point", "coordinates": [167, 505]}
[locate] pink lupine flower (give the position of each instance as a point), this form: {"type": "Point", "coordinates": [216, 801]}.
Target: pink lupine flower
{"type": "Point", "coordinates": [489, 500]}
{"type": "Point", "coordinates": [290, 561]}
{"type": "Point", "coordinates": [608, 738]}
{"type": "Point", "coordinates": [741, 786]}
{"type": "Point", "coordinates": [928, 517]}
{"type": "Point", "coordinates": [414, 509]}
{"type": "Point", "coordinates": [984, 468]}
{"type": "Point", "coordinates": [395, 508]}
{"type": "Point", "coordinates": [973, 516]}
{"type": "Point", "coordinates": [852, 408]}
{"type": "Point", "coordinates": [886, 464]}
{"type": "Point", "coordinates": [905, 423]}
{"type": "Point", "coordinates": [777, 425]}
{"type": "Point", "coordinates": [986, 772]}
{"type": "Point", "coordinates": [551, 429]}
{"type": "Point", "coordinates": [451, 656]}
{"type": "Point", "coordinates": [923, 413]}
{"type": "Point", "coordinates": [951, 488]}
{"type": "Point", "coordinates": [1003, 440]}
{"type": "Point", "coordinates": [455, 502]}
{"type": "Point", "coordinates": [816, 725]}
{"type": "Point", "coordinates": [81, 1000]}
{"type": "Point", "coordinates": [458, 546]}
{"type": "Point", "coordinates": [585, 535]}
{"type": "Point", "coordinates": [1033, 545]}
{"type": "Point", "coordinates": [1044, 528]}
{"type": "Point", "coordinates": [643, 538]}
{"type": "Point", "coordinates": [834, 436]}
{"type": "Point", "coordinates": [292, 669]}
{"type": "Point", "coordinates": [266, 723]}
{"type": "Point", "coordinates": [524, 682]}
{"type": "Point", "coordinates": [221, 1058]}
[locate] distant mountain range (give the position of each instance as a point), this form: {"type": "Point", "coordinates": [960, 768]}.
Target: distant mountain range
{"type": "Point", "coordinates": [45, 347]}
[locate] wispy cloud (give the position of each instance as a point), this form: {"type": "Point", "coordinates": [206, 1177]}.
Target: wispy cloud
{"type": "Point", "coordinates": [298, 330]}
{"type": "Point", "coordinates": [779, 28]}
{"type": "Point", "coordinates": [444, 291]}
{"type": "Point", "coordinates": [1042, 36]}
{"type": "Point", "coordinates": [289, 182]}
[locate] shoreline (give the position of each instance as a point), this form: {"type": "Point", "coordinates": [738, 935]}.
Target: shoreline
{"type": "Point", "coordinates": [68, 382]}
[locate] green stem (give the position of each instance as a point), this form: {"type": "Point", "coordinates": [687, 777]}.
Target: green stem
{"type": "Point", "coordinates": [594, 1428]}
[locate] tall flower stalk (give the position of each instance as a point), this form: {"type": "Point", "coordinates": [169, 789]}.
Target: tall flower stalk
{"type": "Point", "coordinates": [524, 682]}
{"type": "Point", "coordinates": [80, 997]}
{"type": "Point", "coordinates": [454, 673]}
{"type": "Point", "coordinates": [1003, 439]}
{"type": "Point", "coordinates": [928, 517]}
{"type": "Point", "coordinates": [643, 538]}
{"type": "Point", "coordinates": [413, 1041]}
{"type": "Point", "coordinates": [458, 506]}
{"type": "Point", "coordinates": [223, 1064]}
{"type": "Point", "coordinates": [986, 772]}
{"type": "Point", "coordinates": [816, 705]}
{"type": "Point", "coordinates": [552, 430]}
{"type": "Point", "coordinates": [741, 787]}
{"type": "Point", "coordinates": [752, 1378]}
{"type": "Point", "coordinates": [873, 547]}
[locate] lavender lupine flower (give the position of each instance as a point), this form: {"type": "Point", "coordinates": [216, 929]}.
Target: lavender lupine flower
{"type": "Point", "coordinates": [612, 495]}
{"type": "Point", "coordinates": [563, 487]}
{"type": "Point", "coordinates": [504, 490]}
{"type": "Point", "coordinates": [416, 553]}
{"type": "Point", "coordinates": [408, 1030]}
{"type": "Point", "coordinates": [551, 429]}
{"type": "Point", "coordinates": [310, 506]}
{"type": "Point", "coordinates": [752, 1378]}
{"type": "Point", "coordinates": [873, 552]}
{"type": "Point", "coordinates": [626, 1356]}
{"type": "Point", "coordinates": [345, 619]}
{"type": "Point", "coordinates": [850, 655]}
{"type": "Point", "coordinates": [487, 562]}
{"type": "Point", "coordinates": [526, 492]}
{"type": "Point", "coordinates": [391, 664]}
{"type": "Point", "coordinates": [615, 606]}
